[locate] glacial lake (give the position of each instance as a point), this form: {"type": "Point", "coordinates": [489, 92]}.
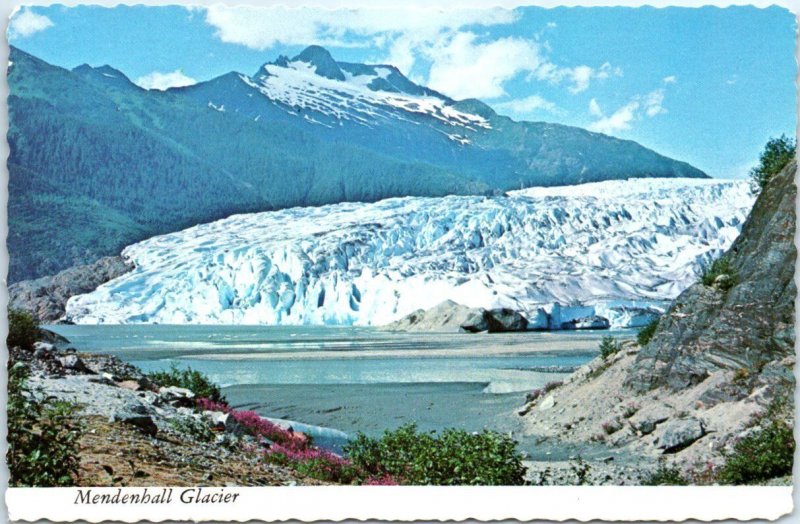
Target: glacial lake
{"type": "Point", "coordinates": [359, 379]}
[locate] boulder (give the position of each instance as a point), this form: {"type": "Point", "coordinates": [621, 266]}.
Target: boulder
{"type": "Point", "coordinates": [475, 322]}
{"type": "Point", "coordinates": [547, 403]}
{"type": "Point", "coordinates": [136, 415]}
{"type": "Point", "coordinates": [216, 418]}
{"type": "Point", "coordinates": [648, 425]}
{"type": "Point", "coordinates": [175, 396]}
{"type": "Point", "coordinates": [232, 426]}
{"type": "Point", "coordinates": [74, 363]}
{"type": "Point", "coordinates": [45, 346]}
{"type": "Point", "coordinates": [131, 385]}
{"type": "Point", "coordinates": [503, 320]}
{"type": "Point", "coordinates": [680, 433]}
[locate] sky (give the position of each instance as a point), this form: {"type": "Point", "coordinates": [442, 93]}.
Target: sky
{"type": "Point", "coordinates": [705, 85]}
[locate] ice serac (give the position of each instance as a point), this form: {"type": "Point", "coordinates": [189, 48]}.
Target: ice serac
{"type": "Point", "coordinates": [617, 249]}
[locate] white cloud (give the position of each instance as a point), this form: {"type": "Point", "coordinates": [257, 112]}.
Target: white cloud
{"type": "Point", "coordinates": [463, 68]}
{"type": "Point", "coordinates": [462, 64]}
{"type": "Point", "coordinates": [594, 108]}
{"type": "Point", "coordinates": [652, 103]}
{"type": "Point", "coordinates": [620, 120]}
{"type": "Point", "coordinates": [732, 80]}
{"type": "Point", "coordinates": [263, 27]}
{"type": "Point", "coordinates": [670, 79]}
{"type": "Point", "coordinates": [638, 108]}
{"type": "Point", "coordinates": [580, 76]}
{"type": "Point", "coordinates": [528, 104]}
{"type": "Point", "coordinates": [163, 81]}
{"type": "Point", "coordinates": [26, 22]}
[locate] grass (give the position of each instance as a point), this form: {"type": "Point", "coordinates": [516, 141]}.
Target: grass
{"type": "Point", "coordinates": [42, 436]}
{"type": "Point", "coordinates": [22, 329]}
{"type": "Point", "coordinates": [721, 267]}
{"type": "Point", "coordinates": [609, 346]}
{"type": "Point", "coordinates": [665, 476]}
{"type": "Point", "coordinates": [766, 453]}
{"type": "Point", "coordinates": [197, 382]}
{"type": "Point", "coordinates": [454, 457]}
{"type": "Point", "coordinates": [645, 334]}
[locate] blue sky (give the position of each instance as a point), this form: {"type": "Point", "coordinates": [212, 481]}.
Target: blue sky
{"type": "Point", "coordinates": [705, 85]}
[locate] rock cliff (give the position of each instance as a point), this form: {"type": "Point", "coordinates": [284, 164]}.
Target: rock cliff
{"type": "Point", "coordinates": [720, 357]}
{"type": "Point", "coordinates": [46, 297]}
{"type": "Point", "coordinates": [744, 327]}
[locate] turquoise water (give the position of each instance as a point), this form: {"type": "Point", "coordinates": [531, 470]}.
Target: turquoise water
{"type": "Point", "coordinates": [356, 379]}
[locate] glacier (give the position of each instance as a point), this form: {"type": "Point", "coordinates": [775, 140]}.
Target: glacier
{"type": "Point", "coordinates": [619, 249]}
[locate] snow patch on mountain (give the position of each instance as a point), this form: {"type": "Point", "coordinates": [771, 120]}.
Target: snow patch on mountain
{"type": "Point", "coordinates": [298, 86]}
{"type": "Point", "coordinates": [620, 249]}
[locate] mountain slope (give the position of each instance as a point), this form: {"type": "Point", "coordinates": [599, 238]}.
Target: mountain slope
{"type": "Point", "coordinates": [616, 248]}
{"type": "Point", "coordinates": [709, 329]}
{"type": "Point", "coordinates": [718, 370]}
{"type": "Point", "coordinates": [120, 163]}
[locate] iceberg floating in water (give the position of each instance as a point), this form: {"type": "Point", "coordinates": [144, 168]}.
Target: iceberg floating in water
{"type": "Point", "coordinates": [617, 249]}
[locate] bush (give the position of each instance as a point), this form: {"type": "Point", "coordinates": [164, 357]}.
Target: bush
{"type": "Point", "coordinates": [609, 346]}
{"type": "Point", "coordinates": [187, 378]}
{"type": "Point", "coordinates": [611, 426]}
{"type": "Point", "coordinates": [763, 455]}
{"type": "Point", "coordinates": [199, 430]}
{"type": "Point", "coordinates": [777, 153]}
{"type": "Point", "coordinates": [665, 476]}
{"type": "Point", "coordinates": [42, 437]}
{"type": "Point", "coordinates": [23, 330]}
{"type": "Point", "coordinates": [646, 333]}
{"type": "Point", "coordinates": [540, 392]}
{"type": "Point", "coordinates": [455, 457]}
{"type": "Point", "coordinates": [720, 267]}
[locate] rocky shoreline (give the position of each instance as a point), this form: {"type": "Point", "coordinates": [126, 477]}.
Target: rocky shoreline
{"type": "Point", "coordinates": [138, 434]}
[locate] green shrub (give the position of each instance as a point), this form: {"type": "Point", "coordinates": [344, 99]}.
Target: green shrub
{"type": "Point", "coordinates": [646, 333]}
{"type": "Point", "coordinates": [198, 429]}
{"type": "Point", "coordinates": [720, 267]}
{"type": "Point", "coordinates": [42, 437]}
{"type": "Point", "coordinates": [187, 378]}
{"type": "Point", "coordinates": [22, 329]}
{"type": "Point", "coordinates": [763, 455]}
{"type": "Point", "coordinates": [665, 476]}
{"type": "Point", "coordinates": [581, 469]}
{"type": "Point", "coordinates": [609, 346]}
{"type": "Point", "coordinates": [455, 457]}
{"type": "Point", "coordinates": [777, 153]}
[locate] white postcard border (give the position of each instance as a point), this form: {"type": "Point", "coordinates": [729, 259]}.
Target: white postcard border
{"type": "Point", "coordinates": [337, 503]}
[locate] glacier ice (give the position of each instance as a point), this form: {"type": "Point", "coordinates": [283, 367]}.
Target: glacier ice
{"type": "Point", "coordinates": [619, 249]}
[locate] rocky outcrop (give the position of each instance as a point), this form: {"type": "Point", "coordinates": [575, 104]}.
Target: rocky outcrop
{"type": "Point", "coordinates": [447, 316]}
{"type": "Point", "coordinates": [503, 320]}
{"type": "Point", "coordinates": [45, 298]}
{"type": "Point", "coordinates": [744, 324]}
{"type": "Point", "coordinates": [720, 357]}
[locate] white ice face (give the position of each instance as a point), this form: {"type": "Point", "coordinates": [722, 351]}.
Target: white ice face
{"type": "Point", "coordinates": [632, 242]}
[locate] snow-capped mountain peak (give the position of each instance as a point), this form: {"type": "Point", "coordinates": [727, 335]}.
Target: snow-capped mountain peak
{"type": "Point", "coordinates": [364, 94]}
